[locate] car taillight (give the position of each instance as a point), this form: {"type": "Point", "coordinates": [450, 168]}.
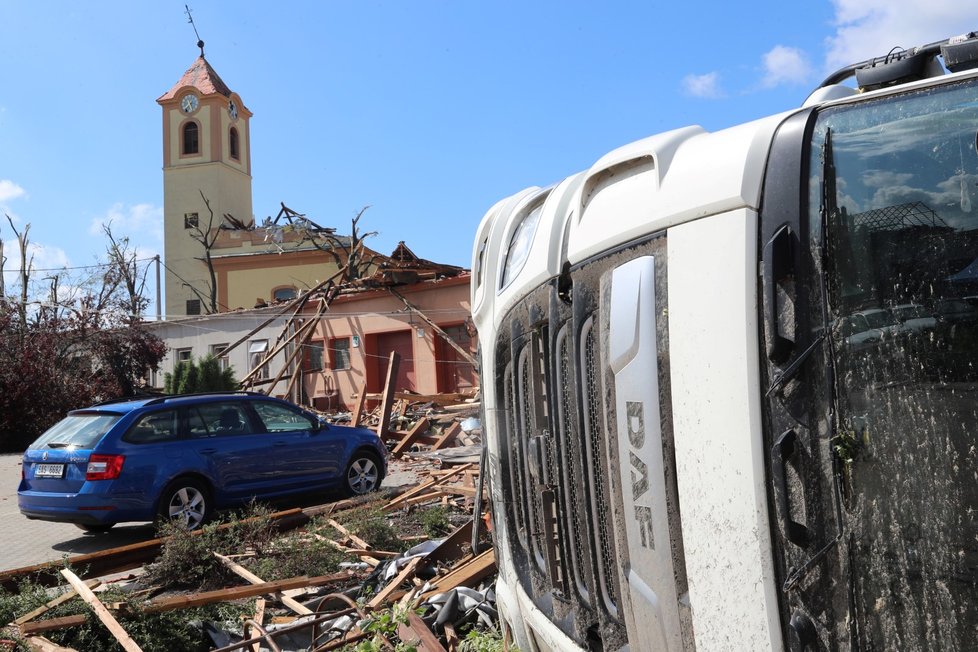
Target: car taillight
{"type": "Point", "coordinates": [104, 467]}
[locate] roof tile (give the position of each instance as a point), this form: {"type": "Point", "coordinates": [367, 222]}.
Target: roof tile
{"type": "Point", "coordinates": [202, 77]}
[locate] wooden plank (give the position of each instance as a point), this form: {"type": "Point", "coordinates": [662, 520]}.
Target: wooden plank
{"type": "Point", "coordinates": [468, 574]}
{"type": "Point", "coordinates": [399, 435]}
{"type": "Point", "coordinates": [425, 498]}
{"type": "Point", "coordinates": [445, 336]}
{"type": "Point", "coordinates": [387, 400]}
{"type": "Point", "coordinates": [436, 479]}
{"type": "Point", "coordinates": [451, 638]}
{"type": "Point", "coordinates": [61, 599]}
{"type": "Point", "coordinates": [419, 428]}
{"type": "Point", "coordinates": [246, 574]}
{"type": "Point", "coordinates": [358, 408]}
{"type": "Point", "coordinates": [438, 399]}
{"type": "Point", "coordinates": [238, 592]}
{"type": "Point", "coordinates": [41, 644]}
{"type": "Point", "coordinates": [354, 538]}
{"type": "Point", "coordinates": [196, 600]}
{"type": "Point", "coordinates": [117, 630]}
{"type": "Point", "coordinates": [115, 560]}
{"type": "Point", "coordinates": [260, 619]}
{"type": "Point", "coordinates": [416, 632]}
{"type": "Point", "coordinates": [447, 437]}
{"type": "Point", "coordinates": [385, 594]}
{"type": "Point", "coordinates": [450, 549]}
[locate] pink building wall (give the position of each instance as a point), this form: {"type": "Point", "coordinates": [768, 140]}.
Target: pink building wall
{"type": "Point", "coordinates": [374, 322]}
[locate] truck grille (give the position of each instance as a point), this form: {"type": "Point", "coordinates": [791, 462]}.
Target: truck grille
{"type": "Point", "coordinates": [555, 459]}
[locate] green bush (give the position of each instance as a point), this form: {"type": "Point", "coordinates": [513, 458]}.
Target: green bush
{"type": "Point", "coordinates": [187, 560]}
{"type": "Point", "coordinates": [294, 555]}
{"type": "Point", "coordinates": [374, 527]}
{"type": "Point", "coordinates": [191, 377]}
{"type": "Point", "coordinates": [485, 640]}
{"type": "Point", "coordinates": [435, 522]}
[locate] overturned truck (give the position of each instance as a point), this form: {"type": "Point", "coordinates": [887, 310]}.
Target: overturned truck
{"type": "Point", "coordinates": [731, 379]}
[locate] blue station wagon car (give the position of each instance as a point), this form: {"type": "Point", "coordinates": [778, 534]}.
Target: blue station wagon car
{"type": "Point", "coordinates": [182, 457]}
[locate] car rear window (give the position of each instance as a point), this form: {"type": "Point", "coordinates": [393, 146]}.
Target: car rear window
{"type": "Point", "coordinates": [80, 430]}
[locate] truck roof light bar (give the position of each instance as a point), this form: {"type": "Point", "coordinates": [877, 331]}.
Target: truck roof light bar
{"type": "Point", "coordinates": [961, 52]}
{"type": "Point", "coordinates": [901, 66]}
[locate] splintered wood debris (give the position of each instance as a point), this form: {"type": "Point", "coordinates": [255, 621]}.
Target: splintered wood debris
{"type": "Point", "coordinates": [294, 608]}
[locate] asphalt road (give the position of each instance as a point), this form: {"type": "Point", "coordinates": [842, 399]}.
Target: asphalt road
{"type": "Point", "coordinates": [24, 542]}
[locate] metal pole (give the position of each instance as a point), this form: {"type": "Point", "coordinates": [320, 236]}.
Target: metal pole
{"type": "Point", "coordinates": [159, 308]}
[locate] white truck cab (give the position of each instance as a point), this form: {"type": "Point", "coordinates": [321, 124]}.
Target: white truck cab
{"type": "Point", "coordinates": [685, 449]}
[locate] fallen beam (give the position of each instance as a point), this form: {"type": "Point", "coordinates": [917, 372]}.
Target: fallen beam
{"type": "Point", "coordinates": [468, 574]}
{"type": "Point", "coordinates": [61, 599]}
{"type": "Point", "coordinates": [248, 576]}
{"type": "Point", "coordinates": [117, 630]}
{"type": "Point", "coordinates": [416, 631]}
{"type": "Point", "coordinates": [197, 600]}
{"type": "Point", "coordinates": [419, 429]}
{"type": "Point", "coordinates": [115, 560]}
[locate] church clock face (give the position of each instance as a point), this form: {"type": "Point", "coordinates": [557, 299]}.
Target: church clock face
{"type": "Point", "coordinates": [189, 103]}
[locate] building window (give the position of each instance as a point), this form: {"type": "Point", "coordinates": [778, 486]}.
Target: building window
{"type": "Point", "coordinates": [312, 356]}
{"type": "Point", "coordinates": [191, 138]}
{"type": "Point", "coordinates": [340, 353]}
{"type": "Point", "coordinates": [256, 353]}
{"type": "Point", "coordinates": [183, 355]}
{"type": "Point", "coordinates": [193, 306]}
{"type": "Point", "coordinates": [233, 143]}
{"type": "Point", "coordinates": [222, 360]}
{"type": "Point", "coordinates": [283, 294]}
{"type": "Point", "coordinates": [190, 220]}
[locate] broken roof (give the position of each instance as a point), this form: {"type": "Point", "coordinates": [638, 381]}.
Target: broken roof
{"type": "Point", "coordinates": [202, 77]}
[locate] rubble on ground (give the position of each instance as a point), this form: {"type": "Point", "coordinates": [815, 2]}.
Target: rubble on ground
{"type": "Point", "coordinates": [434, 589]}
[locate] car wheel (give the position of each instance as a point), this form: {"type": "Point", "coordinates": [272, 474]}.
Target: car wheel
{"type": "Point", "coordinates": [185, 502]}
{"type": "Point", "coordinates": [101, 528]}
{"type": "Point", "coordinates": [362, 474]}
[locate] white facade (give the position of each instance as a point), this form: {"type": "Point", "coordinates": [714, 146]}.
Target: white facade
{"type": "Point", "coordinates": [208, 334]}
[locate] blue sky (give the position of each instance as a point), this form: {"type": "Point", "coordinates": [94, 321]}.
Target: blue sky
{"type": "Point", "coordinates": [427, 111]}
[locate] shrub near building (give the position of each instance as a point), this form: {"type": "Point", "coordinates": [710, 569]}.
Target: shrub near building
{"type": "Point", "coordinates": [190, 377]}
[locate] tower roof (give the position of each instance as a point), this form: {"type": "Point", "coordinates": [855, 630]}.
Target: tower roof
{"type": "Point", "coordinates": [202, 77]}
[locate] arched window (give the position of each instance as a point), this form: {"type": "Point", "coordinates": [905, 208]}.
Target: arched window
{"type": "Point", "coordinates": [191, 138]}
{"type": "Point", "coordinates": [233, 143]}
{"type": "Point", "coordinates": [286, 293]}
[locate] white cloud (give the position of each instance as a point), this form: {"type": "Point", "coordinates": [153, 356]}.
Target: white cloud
{"type": "Point", "coordinates": [705, 86]}
{"type": "Point", "coordinates": [10, 190]}
{"type": "Point", "coordinates": [785, 65]}
{"type": "Point", "coordinates": [47, 256]}
{"type": "Point", "coordinates": [40, 257]}
{"type": "Point", "coordinates": [136, 222]}
{"type": "Point", "coordinates": [871, 28]}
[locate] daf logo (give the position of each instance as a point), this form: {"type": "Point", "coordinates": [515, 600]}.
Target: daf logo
{"type": "Point", "coordinates": [45, 456]}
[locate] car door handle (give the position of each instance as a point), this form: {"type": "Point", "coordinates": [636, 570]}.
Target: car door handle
{"type": "Point", "coordinates": [280, 443]}
{"type": "Point", "coordinates": [208, 451]}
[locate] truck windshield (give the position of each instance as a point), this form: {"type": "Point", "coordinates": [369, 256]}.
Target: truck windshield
{"type": "Point", "coordinates": [901, 249]}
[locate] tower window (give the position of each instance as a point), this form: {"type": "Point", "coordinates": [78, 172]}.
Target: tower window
{"type": "Point", "coordinates": [190, 220]}
{"type": "Point", "coordinates": [193, 306]}
{"type": "Point", "coordinates": [191, 138]}
{"type": "Point", "coordinates": [233, 143]}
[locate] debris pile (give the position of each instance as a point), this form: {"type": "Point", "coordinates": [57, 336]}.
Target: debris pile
{"type": "Point", "coordinates": [393, 582]}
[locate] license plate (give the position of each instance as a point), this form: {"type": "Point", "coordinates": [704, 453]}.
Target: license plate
{"type": "Point", "coordinates": [49, 470]}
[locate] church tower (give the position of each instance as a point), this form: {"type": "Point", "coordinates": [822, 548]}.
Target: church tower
{"type": "Point", "coordinates": [206, 150]}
